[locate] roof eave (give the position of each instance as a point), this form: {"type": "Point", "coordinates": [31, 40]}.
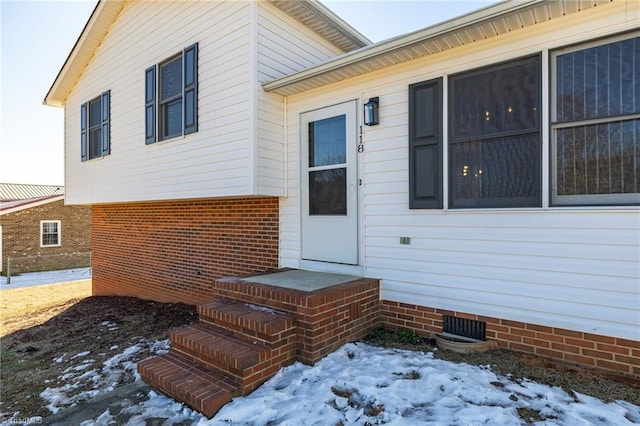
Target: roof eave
{"type": "Point", "coordinates": [103, 15]}
{"type": "Point", "coordinates": [283, 86]}
{"type": "Point", "coordinates": [28, 204]}
{"type": "Point", "coordinates": [338, 31]}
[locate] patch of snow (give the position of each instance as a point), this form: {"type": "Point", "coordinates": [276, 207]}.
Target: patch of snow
{"type": "Point", "coordinates": [81, 354]}
{"type": "Point", "coordinates": [118, 369]}
{"type": "Point", "coordinates": [360, 384]}
{"type": "Point", "coordinates": [262, 308]}
{"type": "Point", "coordinates": [29, 279]}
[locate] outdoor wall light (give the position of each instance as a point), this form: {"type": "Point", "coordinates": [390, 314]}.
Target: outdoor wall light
{"type": "Point", "coordinates": [371, 117]}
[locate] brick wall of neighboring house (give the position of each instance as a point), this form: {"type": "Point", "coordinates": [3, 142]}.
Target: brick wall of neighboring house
{"type": "Point", "coordinates": [174, 251]}
{"type": "Point", "coordinates": [594, 350]}
{"type": "Point", "coordinates": [21, 238]}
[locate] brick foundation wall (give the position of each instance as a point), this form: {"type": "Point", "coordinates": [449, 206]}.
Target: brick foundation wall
{"type": "Point", "coordinates": [174, 251]}
{"type": "Point", "coordinates": [21, 238]}
{"type": "Point", "coordinates": [602, 352]}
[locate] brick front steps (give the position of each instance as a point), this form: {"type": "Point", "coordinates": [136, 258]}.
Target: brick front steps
{"type": "Point", "coordinates": [249, 331]}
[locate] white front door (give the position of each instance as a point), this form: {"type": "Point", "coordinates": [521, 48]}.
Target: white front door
{"type": "Point", "coordinates": [330, 184]}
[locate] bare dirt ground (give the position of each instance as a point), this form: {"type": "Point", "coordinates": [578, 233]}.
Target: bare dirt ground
{"type": "Point", "coordinates": [39, 324]}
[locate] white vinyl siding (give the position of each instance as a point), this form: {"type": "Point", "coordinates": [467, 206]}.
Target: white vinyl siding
{"type": "Point", "coordinates": [215, 161]}
{"type": "Point", "coordinates": [239, 147]}
{"type": "Point", "coordinates": [284, 46]}
{"type": "Point", "coordinates": [574, 268]}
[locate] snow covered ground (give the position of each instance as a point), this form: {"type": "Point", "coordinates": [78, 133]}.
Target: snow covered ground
{"type": "Point", "coordinates": [358, 384]}
{"type": "Point", "coordinates": [48, 277]}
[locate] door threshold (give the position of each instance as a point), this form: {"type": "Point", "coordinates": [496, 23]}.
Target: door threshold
{"type": "Point", "coordinates": [335, 268]}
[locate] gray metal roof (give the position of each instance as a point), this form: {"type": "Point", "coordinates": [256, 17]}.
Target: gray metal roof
{"type": "Point", "coordinates": [20, 191]}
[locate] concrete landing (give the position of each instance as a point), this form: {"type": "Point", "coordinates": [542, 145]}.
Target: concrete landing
{"type": "Point", "coordinates": [301, 280]}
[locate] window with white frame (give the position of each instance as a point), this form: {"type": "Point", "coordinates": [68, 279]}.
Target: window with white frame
{"type": "Point", "coordinates": [50, 233]}
{"type": "Point", "coordinates": [595, 123]}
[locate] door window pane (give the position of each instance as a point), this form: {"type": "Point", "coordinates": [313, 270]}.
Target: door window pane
{"type": "Point", "coordinates": [327, 141]}
{"type": "Point", "coordinates": [328, 192]}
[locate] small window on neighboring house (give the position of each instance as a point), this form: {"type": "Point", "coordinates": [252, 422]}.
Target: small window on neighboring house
{"type": "Point", "coordinates": [94, 127]}
{"type": "Point", "coordinates": [494, 136]}
{"type": "Point", "coordinates": [171, 97]}
{"type": "Point", "coordinates": [50, 233]}
{"type": "Point", "coordinates": [595, 123]}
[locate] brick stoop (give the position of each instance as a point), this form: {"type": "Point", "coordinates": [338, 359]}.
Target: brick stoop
{"type": "Point", "coordinates": [250, 330]}
{"type": "Point", "coordinates": [232, 350]}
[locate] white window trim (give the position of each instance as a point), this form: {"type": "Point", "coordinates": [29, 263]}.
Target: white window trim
{"type": "Point", "coordinates": [59, 223]}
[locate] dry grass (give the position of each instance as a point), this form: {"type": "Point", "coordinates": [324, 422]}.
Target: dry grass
{"type": "Point", "coordinates": [23, 307]}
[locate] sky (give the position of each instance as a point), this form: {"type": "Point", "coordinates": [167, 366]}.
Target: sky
{"type": "Point", "coordinates": [37, 36]}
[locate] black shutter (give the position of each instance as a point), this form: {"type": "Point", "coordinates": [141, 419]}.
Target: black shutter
{"type": "Point", "coordinates": [106, 114]}
{"type": "Point", "coordinates": [190, 88]}
{"type": "Point", "coordinates": [150, 105]}
{"type": "Point", "coordinates": [425, 145]}
{"type": "Point", "coordinates": [83, 131]}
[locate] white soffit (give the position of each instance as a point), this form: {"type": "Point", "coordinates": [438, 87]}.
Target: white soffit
{"type": "Point", "coordinates": [485, 23]}
{"type": "Point", "coordinates": [96, 28]}
{"type": "Point", "coordinates": [323, 21]}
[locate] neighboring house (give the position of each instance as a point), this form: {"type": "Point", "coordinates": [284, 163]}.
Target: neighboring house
{"type": "Point", "coordinates": [38, 232]}
{"type": "Point", "coordinates": [501, 184]}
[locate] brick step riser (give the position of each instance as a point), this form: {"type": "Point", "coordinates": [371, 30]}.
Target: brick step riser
{"type": "Point", "coordinates": [278, 302]}
{"type": "Point", "coordinates": [225, 361]}
{"type": "Point", "coordinates": [245, 321]}
{"type": "Point", "coordinates": [246, 380]}
{"type": "Point", "coordinates": [199, 390]}
{"type": "Point", "coordinates": [249, 333]}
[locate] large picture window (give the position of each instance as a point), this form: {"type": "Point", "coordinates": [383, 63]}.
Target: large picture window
{"type": "Point", "coordinates": [494, 136]}
{"type": "Point", "coordinates": [596, 123]}
{"type": "Point", "coordinates": [171, 96]}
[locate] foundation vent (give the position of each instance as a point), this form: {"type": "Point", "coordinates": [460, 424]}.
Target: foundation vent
{"type": "Point", "coordinates": [465, 327]}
